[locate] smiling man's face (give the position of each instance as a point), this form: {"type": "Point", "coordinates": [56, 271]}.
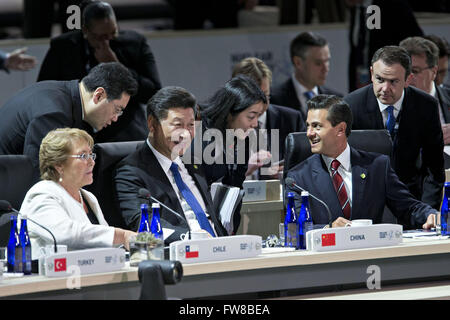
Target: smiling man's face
{"type": "Point", "coordinates": [173, 135]}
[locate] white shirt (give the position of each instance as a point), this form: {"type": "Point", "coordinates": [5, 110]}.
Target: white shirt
{"type": "Point", "coordinates": [188, 180]}
{"type": "Point", "coordinates": [397, 107]}
{"type": "Point", "coordinates": [300, 90]}
{"type": "Point", "coordinates": [435, 95]}
{"type": "Point", "coordinates": [262, 120]}
{"type": "Point", "coordinates": [345, 169]}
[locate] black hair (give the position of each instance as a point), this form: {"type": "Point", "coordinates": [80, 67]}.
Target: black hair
{"type": "Point", "coordinates": [95, 10]}
{"type": "Point", "coordinates": [167, 98]}
{"type": "Point", "coordinates": [115, 78]}
{"type": "Point", "coordinates": [338, 110]}
{"type": "Point", "coordinates": [393, 54]}
{"type": "Point", "coordinates": [238, 94]}
{"type": "Point", "coordinates": [301, 43]}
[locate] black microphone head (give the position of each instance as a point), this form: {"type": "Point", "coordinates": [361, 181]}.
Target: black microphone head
{"type": "Point", "coordinates": [5, 206]}
{"type": "Point", "coordinates": [289, 181]}
{"type": "Point", "coordinates": [144, 193]}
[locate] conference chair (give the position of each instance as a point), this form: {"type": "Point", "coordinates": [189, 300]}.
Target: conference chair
{"type": "Point", "coordinates": [154, 275]}
{"type": "Point", "coordinates": [16, 178]}
{"type": "Point", "coordinates": [298, 148]}
{"type": "Point", "coordinates": [108, 155]}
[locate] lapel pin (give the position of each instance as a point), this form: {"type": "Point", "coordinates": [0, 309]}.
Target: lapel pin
{"type": "Point", "coordinates": [363, 175]}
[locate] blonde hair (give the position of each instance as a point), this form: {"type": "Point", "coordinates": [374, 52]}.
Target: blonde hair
{"type": "Point", "coordinates": [56, 148]}
{"type": "Point", "coordinates": [254, 68]}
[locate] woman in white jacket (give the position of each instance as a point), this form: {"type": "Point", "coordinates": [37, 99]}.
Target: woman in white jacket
{"type": "Point", "coordinates": [59, 203]}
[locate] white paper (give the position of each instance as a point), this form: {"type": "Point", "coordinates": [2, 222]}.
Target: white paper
{"type": "Point", "coordinates": [167, 232]}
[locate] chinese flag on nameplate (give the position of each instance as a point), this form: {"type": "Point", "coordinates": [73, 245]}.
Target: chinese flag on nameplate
{"type": "Point", "coordinates": [328, 239]}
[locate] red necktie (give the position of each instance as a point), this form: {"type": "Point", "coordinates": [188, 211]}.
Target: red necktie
{"type": "Point", "coordinates": [339, 186]}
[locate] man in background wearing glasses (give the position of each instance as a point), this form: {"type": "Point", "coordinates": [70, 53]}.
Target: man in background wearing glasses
{"type": "Point", "coordinates": [424, 62]}
{"type": "Point", "coordinates": [92, 104]}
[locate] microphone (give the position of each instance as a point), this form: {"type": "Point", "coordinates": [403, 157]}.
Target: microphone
{"type": "Point", "coordinates": [5, 206]}
{"type": "Point", "coordinates": [291, 182]}
{"type": "Point", "coordinates": [144, 193]}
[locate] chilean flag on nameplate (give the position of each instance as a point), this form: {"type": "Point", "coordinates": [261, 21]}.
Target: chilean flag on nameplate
{"type": "Point", "coordinates": [191, 251]}
{"type": "Point", "coordinates": [328, 239]}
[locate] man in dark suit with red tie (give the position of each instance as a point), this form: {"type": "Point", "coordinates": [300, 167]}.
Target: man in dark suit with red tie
{"type": "Point", "coordinates": [413, 122]}
{"type": "Point", "coordinates": [355, 184]}
{"type": "Point", "coordinates": [310, 57]}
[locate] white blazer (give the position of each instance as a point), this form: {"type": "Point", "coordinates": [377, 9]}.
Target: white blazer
{"type": "Point", "coordinates": [49, 204]}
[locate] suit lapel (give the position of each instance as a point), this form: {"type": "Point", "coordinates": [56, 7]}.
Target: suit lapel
{"type": "Point", "coordinates": [373, 110]}
{"type": "Point", "coordinates": [291, 95]}
{"type": "Point", "coordinates": [149, 163]}
{"type": "Point", "coordinates": [272, 121]}
{"type": "Point", "coordinates": [359, 175]}
{"type": "Point", "coordinates": [444, 101]}
{"type": "Point", "coordinates": [200, 180]}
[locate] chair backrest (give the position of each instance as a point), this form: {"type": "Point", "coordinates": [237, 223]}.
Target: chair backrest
{"type": "Point", "coordinates": [298, 147]}
{"type": "Point", "coordinates": [16, 178]}
{"type": "Point", "coordinates": [108, 155]}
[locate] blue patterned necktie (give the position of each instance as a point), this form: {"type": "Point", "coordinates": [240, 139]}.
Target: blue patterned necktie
{"type": "Point", "coordinates": [390, 122]}
{"type": "Point", "coordinates": [309, 95]}
{"type": "Point", "coordinates": [191, 200]}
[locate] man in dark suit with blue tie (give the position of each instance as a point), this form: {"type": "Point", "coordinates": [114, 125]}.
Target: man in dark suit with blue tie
{"type": "Point", "coordinates": [310, 57]}
{"type": "Point", "coordinates": [355, 184]}
{"type": "Point", "coordinates": [411, 115]}
{"type": "Point", "coordinates": [157, 166]}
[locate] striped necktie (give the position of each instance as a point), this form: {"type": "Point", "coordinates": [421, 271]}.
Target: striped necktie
{"type": "Point", "coordinates": [339, 186]}
{"type": "Point", "coordinates": [390, 122]}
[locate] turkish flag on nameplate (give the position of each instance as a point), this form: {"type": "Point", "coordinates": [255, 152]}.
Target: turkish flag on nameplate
{"type": "Point", "coordinates": [60, 265]}
{"type": "Point", "coordinates": [328, 239]}
{"type": "Point", "coordinates": [191, 251]}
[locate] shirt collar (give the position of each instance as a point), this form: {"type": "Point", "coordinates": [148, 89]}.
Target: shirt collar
{"type": "Point", "coordinates": [300, 89]}
{"type": "Point", "coordinates": [343, 158]}
{"type": "Point", "coordinates": [434, 91]}
{"type": "Point", "coordinates": [263, 119]}
{"type": "Point", "coordinates": [397, 106]}
{"type": "Point", "coordinates": [163, 160]}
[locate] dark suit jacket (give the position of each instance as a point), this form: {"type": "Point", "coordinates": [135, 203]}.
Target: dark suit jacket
{"type": "Point", "coordinates": [419, 136]}
{"type": "Point", "coordinates": [285, 95]}
{"type": "Point", "coordinates": [29, 115]}
{"type": "Point", "coordinates": [68, 58]}
{"type": "Point", "coordinates": [379, 187]}
{"type": "Point", "coordinates": [444, 102]}
{"type": "Point", "coordinates": [141, 169]}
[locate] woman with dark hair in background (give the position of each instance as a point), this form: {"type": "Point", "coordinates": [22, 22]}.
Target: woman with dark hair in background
{"type": "Point", "coordinates": [233, 112]}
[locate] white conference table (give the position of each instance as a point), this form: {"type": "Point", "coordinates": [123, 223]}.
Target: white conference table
{"type": "Point", "coordinates": [409, 262]}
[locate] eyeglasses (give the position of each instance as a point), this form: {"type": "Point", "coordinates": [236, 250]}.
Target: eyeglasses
{"type": "Point", "coordinates": [118, 111]}
{"type": "Point", "coordinates": [84, 156]}
{"type": "Point", "coordinates": [417, 70]}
